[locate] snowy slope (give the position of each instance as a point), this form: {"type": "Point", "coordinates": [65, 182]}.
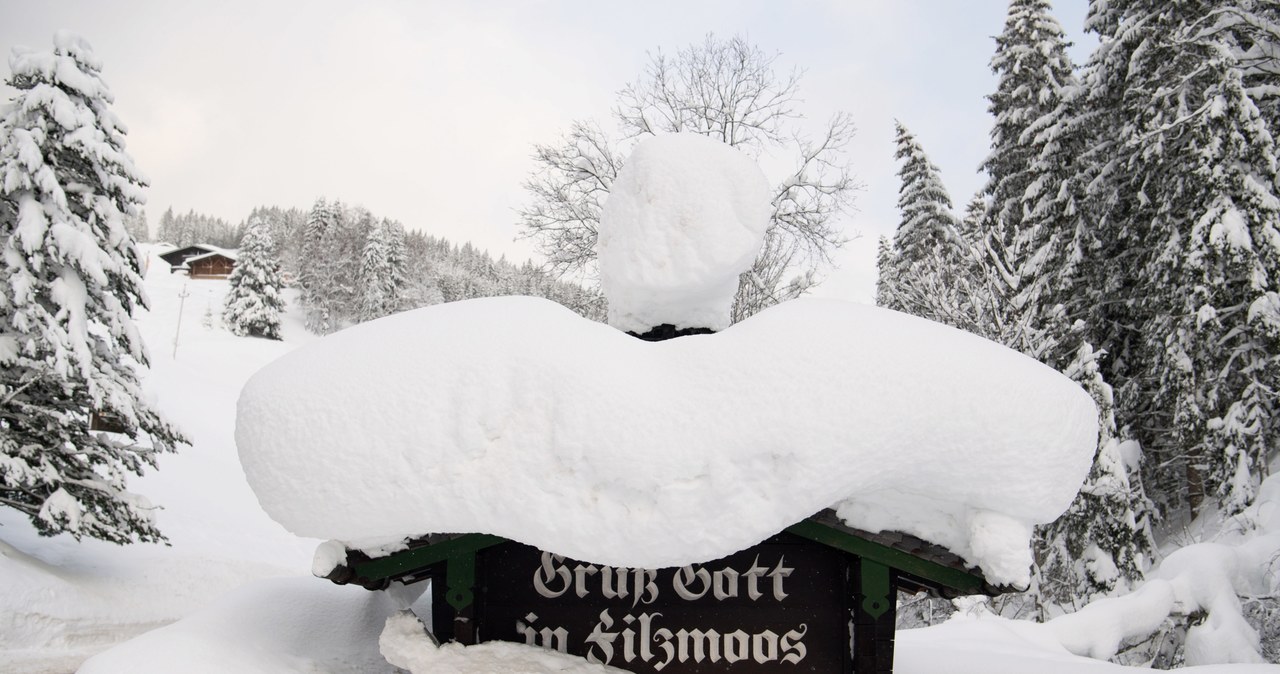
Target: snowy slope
{"type": "Point", "coordinates": [61, 600]}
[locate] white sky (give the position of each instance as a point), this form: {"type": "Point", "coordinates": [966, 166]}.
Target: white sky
{"type": "Point", "coordinates": [426, 112]}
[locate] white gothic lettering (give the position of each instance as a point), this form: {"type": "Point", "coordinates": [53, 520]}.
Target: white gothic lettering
{"type": "Point", "coordinates": [640, 636]}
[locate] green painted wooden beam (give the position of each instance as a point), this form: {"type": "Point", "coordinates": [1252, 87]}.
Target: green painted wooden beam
{"type": "Point", "coordinates": [402, 562]}
{"type": "Point", "coordinates": [460, 579]}
{"type": "Point", "coordinates": [877, 588]}
{"type": "Point", "coordinates": [963, 582]}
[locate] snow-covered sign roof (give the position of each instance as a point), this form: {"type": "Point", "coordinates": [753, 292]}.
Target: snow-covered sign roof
{"type": "Point", "coordinates": [516, 417]}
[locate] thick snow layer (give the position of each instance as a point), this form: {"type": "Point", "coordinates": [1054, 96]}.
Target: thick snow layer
{"type": "Point", "coordinates": [685, 217]}
{"type": "Point", "coordinates": [514, 416]}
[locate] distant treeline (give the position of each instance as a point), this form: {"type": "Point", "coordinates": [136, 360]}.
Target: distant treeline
{"type": "Point", "coordinates": [327, 251]}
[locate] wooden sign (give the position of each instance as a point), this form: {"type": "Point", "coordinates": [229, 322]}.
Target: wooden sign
{"type": "Point", "coordinates": [817, 597]}
{"type": "Point", "coordinates": [785, 603]}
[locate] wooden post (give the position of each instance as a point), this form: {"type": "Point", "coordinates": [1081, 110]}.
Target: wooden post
{"type": "Point", "coordinates": [874, 616]}
{"type": "Point", "coordinates": [453, 599]}
{"type": "Point", "coordinates": [182, 302]}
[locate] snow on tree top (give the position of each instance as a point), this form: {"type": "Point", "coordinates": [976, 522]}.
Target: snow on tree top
{"type": "Point", "coordinates": [514, 416]}
{"type": "Point", "coordinates": [685, 217]}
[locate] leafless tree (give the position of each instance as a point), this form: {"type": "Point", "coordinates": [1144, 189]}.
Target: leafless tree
{"type": "Point", "coordinates": [725, 89]}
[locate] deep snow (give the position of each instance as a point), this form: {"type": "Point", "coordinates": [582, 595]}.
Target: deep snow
{"type": "Point", "coordinates": [516, 417]}
{"type": "Point", "coordinates": [61, 601]}
{"type": "Point", "coordinates": [686, 215]}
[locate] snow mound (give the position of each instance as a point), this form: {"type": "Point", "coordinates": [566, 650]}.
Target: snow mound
{"type": "Point", "coordinates": [685, 217]}
{"type": "Point", "coordinates": [406, 644]}
{"type": "Point", "coordinates": [988, 644]}
{"type": "Point", "coordinates": [1206, 578]}
{"type": "Point", "coordinates": [514, 416]}
{"type": "Point", "coordinates": [276, 626]}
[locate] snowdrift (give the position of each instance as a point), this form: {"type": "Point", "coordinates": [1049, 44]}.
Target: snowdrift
{"type": "Point", "coordinates": [684, 219]}
{"type": "Point", "coordinates": [514, 416]}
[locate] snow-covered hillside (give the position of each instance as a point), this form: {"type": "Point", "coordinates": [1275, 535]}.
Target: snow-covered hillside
{"type": "Point", "coordinates": [60, 600]}
{"type": "Point", "coordinates": [233, 593]}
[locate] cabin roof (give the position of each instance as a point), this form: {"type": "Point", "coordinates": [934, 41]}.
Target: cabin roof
{"type": "Point", "coordinates": [217, 253]}
{"type": "Point", "coordinates": [177, 256]}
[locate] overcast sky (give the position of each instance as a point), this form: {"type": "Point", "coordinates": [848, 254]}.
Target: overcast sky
{"type": "Point", "coordinates": [426, 112]}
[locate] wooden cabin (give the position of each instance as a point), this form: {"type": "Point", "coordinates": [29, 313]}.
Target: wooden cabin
{"type": "Point", "coordinates": [201, 261]}
{"type": "Point", "coordinates": [211, 265]}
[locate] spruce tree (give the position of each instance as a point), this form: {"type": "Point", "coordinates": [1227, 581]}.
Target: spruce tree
{"type": "Point", "coordinates": [1032, 68]}
{"type": "Point", "coordinates": [382, 277]}
{"type": "Point", "coordinates": [315, 267]}
{"type": "Point", "coordinates": [69, 282]}
{"type": "Point", "coordinates": [254, 302]}
{"type": "Point", "coordinates": [886, 282]}
{"type": "Point", "coordinates": [1034, 77]}
{"type": "Point", "coordinates": [1189, 222]}
{"type": "Point", "coordinates": [397, 261]}
{"type": "Point", "coordinates": [928, 264]}
{"type": "Point", "coordinates": [1036, 228]}
{"type": "Point", "coordinates": [1103, 543]}
{"type": "Point", "coordinates": [165, 230]}
{"type": "Point", "coordinates": [927, 219]}
{"type": "Point", "coordinates": [374, 273]}
{"type": "Point", "coordinates": [137, 225]}
{"type": "Point", "coordinates": [1254, 34]}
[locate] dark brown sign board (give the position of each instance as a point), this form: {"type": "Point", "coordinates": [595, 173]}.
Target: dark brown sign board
{"type": "Point", "coordinates": [781, 605]}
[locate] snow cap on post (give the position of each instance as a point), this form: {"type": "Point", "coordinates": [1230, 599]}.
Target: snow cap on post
{"type": "Point", "coordinates": [684, 219]}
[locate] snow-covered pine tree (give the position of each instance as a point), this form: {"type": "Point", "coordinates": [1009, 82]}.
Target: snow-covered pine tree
{"type": "Point", "coordinates": [164, 230]}
{"type": "Point", "coordinates": [927, 219]}
{"type": "Point", "coordinates": [975, 213]}
{"type": "Point", "coordinates": [1254, 27]}
{"type": "Point", "coordinates": [254, 302]}
{"type": "Point", "coordinates": [1032, 67]}
{"type": "Point", "coordinates": [343, 246]}
{"type": "Point", "coordinates": [398, 260]}
{"type": "Point", "coordinates": [988, 282]}
{"type": "Point", "coordinates": [137, 225]}
{"type": "Point", "coordinates": [69, 282]}
{"type": "Point", "coordinates": [885, 268]}
{"type": "Point", "coordinates": [382, 278]}
{"type": "Point", "coordinates": [374, 275]}
{"type": "Point", "coordinates": [315, 267]}
{"type": "Point", "coordinates": [285, 227]}
{"type": "Point", "coordinates": [1033, 71]}
{"type": "Point", "coordinates": [927, 256]}
{"type": "Point", "coordinates": [1190, 220]}
{"type": "Point", "coordinates": [1036, 230]}
{"type": "Point", "coordinates": [1103, 543]}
